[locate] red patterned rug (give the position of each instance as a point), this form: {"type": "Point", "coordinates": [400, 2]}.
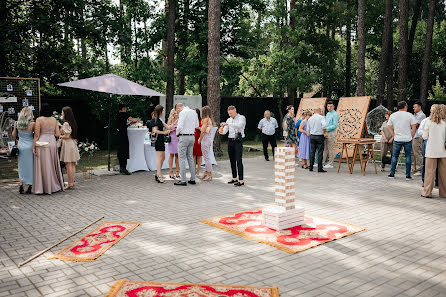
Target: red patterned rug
{"type": "Point", "coordinates": [95, 243]}
{"type": "Point", "coordinates": [126, 288]}
{"type": "Point", "coordinates": [314, 232]}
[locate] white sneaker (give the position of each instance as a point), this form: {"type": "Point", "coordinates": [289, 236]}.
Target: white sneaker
{"type": "Point", "coordinates": [328, 166]}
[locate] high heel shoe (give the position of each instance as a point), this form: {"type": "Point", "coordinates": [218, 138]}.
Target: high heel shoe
{"type": "Point", "coordinates": [204, 175]}
{"type": "Point", "coordinates": [21, 190]}
{"type": "Point", "coordinates": [177, 175]}
{"type": "Point", "coordinates": [156, 178]}
{"type": "Point", "coordinates": [30, 188]}
{"type": "Point", "coordinates": [208, 177]}
{"type": "Point", "coordinates": [160, 179]}
{"type": "Point", "coordinates": [69, 187]}
{"type": "Point", "coordinates": [171, 175]}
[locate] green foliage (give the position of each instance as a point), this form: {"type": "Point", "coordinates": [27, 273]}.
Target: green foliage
{"type": "Point", "coordinates": [262, 55]}
{"type": "Point", "coordinates": [438, 92]}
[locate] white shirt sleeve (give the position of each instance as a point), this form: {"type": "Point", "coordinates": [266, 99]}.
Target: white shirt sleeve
{"type": "Point", "coordinates": [180, 123]}
{"type": "Point", "coordinates": [324, 123]}
{"type": "Point", "coordinates": [196, 122]}
{"type": "Point", "coordinates": [309, 126]}
{"type": "Point", "coordinates": [389, 122]}
{"type": "Point", "coordinates": [260, 126]}
{"type": "Point", "coordinates": [239, 125]}
{"type": "Point", "coordinates": [226, 128]}
{"type": "Point", "coordinates": [413, 120]}
{"type": "Point", "coordinates": [426, 130]}
{"type": "Point", "coordinates": [275, 124]}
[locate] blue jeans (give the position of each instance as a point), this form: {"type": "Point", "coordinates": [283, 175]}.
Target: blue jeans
{"type": "Point", "coordinates": [407, 153]}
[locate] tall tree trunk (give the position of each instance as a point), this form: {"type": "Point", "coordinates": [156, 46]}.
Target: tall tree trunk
{"type": "Point", "coordinates": [121, 32]}
{"type": "Point", "coordinates": [384, 51]}
{"type": "Point", "coordinates": [83, 45]}
{"type": "Point", "coordinates": [4, 16]}
{"type": "Point", "coordinates": [213, 81]}
{"type": "Point", "coordinates": [427, 52]}
{"type": "Point", "coordinates": [84, 56]}
{"type": "Point", "coordinates": [170, 87]}
{"type": "Point", "coordinates": [136, 43]}
{"type": "Point", "coordinates": [360, 89]}
{"type": "Point", "coordinates": [348, 60]}
{"type": "Point", "coordinates": [403, 43]}
{"type": "Point", "coordinates": [107, 63]}
{"type": "Point", "coordinates": [389, 71]}
{"type": "Point", "coordinates": [413, 27]}
{"type": "Point", "coordinates": [292, 90]}
{"type": "Point", "coordinates": [181, 83]}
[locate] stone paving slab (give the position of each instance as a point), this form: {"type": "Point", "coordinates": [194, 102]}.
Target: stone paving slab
{"type": "Point", "coordinates": [402, 252]}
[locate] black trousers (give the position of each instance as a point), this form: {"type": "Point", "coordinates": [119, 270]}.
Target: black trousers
{"type": "Point", "coordinates": [123, 151]}
{"type": "Point", "coordinates": [317, 143]}
{"type": "Point", "coordinates": [235, 152]}
{"type": "Point", "coordinates": [271, 139]}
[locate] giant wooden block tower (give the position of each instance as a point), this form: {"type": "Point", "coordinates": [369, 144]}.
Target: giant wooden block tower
{"type": "Point", "coordinates": [284, 214]}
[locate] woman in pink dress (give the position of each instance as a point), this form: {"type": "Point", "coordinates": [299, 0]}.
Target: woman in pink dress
{"type": "Point", "coordinates": [206, 139]}
{"type": "Point", "coordinates": [47, 174]}
{"type": "Point", "coordinates": [172, 124]}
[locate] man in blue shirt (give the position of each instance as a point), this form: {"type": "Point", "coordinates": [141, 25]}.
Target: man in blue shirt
{"type": "Point", "coordinates": [332, 120]}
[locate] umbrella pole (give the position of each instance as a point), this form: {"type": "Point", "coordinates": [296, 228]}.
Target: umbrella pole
{"type": "Point", "coordinates": [109, 131]}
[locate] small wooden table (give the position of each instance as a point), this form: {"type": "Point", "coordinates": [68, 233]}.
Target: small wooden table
{"type": "Point", "coordinates": [363, 157]}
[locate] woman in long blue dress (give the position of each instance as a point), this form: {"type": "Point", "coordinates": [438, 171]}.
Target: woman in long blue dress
{"type": "Point", "coordinates": [24, 128]}
{"type": "Point", "coordinates": [304, 143]}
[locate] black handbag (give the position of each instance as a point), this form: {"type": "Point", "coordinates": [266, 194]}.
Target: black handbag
{"type": "Point", "coordinates": [386, 160]}
{"type": "Point", "coordinates": [238, 136]}
{"type": "Point", "coordinates": [153, 139]}
{"type": "Point", "coordinates": [167, 138]}
{"type": "Point", "coordinates": [14, 152]}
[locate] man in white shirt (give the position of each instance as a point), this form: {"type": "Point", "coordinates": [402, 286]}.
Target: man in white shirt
{"type": "Point", "coordinates": [317, 128]}
{"type": "Point", "coordinates": [417, 144]}
{"type": "Point", "coordinates": [268, 126]}
{"type": "Point", "coordinates": [187, 122]}
{"type": "Point", "coordinates": [235, 125]}
{"type": "Point", "coordinates": [403, 126]}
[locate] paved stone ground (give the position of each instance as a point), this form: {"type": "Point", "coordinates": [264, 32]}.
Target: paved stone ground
{"type": "Point", "coordinates": [402, 252]}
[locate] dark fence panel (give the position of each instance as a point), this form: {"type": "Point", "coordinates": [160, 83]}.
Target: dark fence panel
{"type": "Point", "coordinates": [251, 107]}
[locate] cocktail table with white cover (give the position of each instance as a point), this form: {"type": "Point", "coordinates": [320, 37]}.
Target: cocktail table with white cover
{"type": "Point", "coordinates": [150, 156]}
{"type": "Point", "coordinates": [137, 160]}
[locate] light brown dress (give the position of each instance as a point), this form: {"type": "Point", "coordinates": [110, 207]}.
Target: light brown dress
{"type": "Point", "coordinates": [47, 174]}
{"type": "Point", "coordinates": [69, 151]}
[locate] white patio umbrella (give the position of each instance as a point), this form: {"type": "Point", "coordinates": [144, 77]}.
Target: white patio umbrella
{"type": "Point", "coordinates": [111, 84]}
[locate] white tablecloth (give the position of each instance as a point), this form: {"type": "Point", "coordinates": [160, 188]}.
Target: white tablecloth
{"type": "Point", "coordinates": [137, 159]}
{"type": "Point", "coordinates": [150, 154]}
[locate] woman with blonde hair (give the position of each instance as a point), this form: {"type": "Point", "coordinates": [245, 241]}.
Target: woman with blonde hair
{"type": "Point", "coordinates": [435, 133]}
{"type": "Point", "coordinates": [304, 143]}
{"type": "Point", "coordinates": [205, 140]}
{"type": "Point", "coordinates": [69, 153]}
{"type": "Point", "coordinates": [24, 129]}
{"type": "Point", "coordinates": [172, 124]}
